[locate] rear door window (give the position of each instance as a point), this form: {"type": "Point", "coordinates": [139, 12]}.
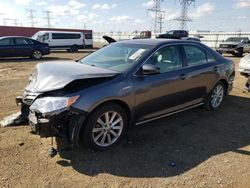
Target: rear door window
{"type": "Point", "coordinates": [210, 58]}
{"type": "Point", "coordinates": [88, 36]}
{"type": "Point", "coordinates": [6, 42]}
{"type": "Point", "coordinates": [194, 55]}
{"type": "Point", "coordinates": [22, 41]}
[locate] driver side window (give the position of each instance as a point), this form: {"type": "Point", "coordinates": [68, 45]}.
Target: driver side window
{"type": "Point", "coordinates": [167, 59]}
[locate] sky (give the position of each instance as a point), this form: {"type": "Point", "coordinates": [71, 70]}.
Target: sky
{"type": "Point", "coordinates": [127, 15]}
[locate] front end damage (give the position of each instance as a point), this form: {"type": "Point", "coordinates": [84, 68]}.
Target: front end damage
{"type": "Point", "coordinates": [63, 123]}
{"type": "Point", "coordinates": [47, 103]}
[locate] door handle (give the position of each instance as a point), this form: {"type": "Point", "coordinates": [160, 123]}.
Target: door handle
{"type": "Point", "coordinates": [215, 68]}
{"type": "Point", "coordinates": [183, 76]}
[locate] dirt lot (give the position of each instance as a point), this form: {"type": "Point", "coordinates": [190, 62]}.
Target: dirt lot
{"type": "Point", "coordinates": [196, 148]}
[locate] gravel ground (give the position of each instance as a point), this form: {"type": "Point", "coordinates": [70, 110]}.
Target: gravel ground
{"type": "Point", "coordinates": [196, 148]}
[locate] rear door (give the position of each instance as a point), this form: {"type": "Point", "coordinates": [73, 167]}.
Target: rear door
{"type": "Point", "coordinates": [22, 47]}
{"type": "Point", "coordinates": [201, 71]}
{"type": "Point", "coordinates": [6, 47]}
{"type": "Point", "coordinates": [88, 40]}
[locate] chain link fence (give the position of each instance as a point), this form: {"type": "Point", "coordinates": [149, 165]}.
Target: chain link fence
{"type": "Point", "coordinates": [211, 39]}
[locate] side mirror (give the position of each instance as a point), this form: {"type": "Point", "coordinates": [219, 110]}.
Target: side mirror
{"type": "Point", "coordinates": [223, 40]}
{"type": "Point", "coordinates": [149, 69]}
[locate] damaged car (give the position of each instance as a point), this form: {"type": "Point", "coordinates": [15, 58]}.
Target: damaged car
{"type": "Point", "coordinates": [123, 84]}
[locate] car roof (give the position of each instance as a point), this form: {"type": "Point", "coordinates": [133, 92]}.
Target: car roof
{"type": "Point", "coordinates": [157, 42]}
{"type": "Point", "coordinates": [5, 37]}
{"type": "Point", "coordinates": [70, 32]}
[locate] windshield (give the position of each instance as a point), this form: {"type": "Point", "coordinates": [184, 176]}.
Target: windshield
{"type": "Point", "coordinates": [236, 39]}
{"type": "Point", "coordinates": [170, 32]}
{"type": "Point", "coordinates": [41, 37]}
{"type": "Point", "coordinates": [118, 57]}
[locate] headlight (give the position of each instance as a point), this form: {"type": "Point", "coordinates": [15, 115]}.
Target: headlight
{"type": "Point", "coordinates": [52, 105]}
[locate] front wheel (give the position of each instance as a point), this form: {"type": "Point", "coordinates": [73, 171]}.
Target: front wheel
{"type": "Point", "coordinates": [37, 54]}
{"type": "Point", "coordinates": [105, 127]}
{"type": "Point", "coordinates": [215, 97]}
{"type": "Point", "coordinates": [240, 53]}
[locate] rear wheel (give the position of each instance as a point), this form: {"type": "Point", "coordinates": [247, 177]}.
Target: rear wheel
{"type": "Point", "coordinates": [105, 127]}
{"type": "Point", "coordinates": [74, 48]}
{"type": "Point", "coordinates": [215, 97]}
{"type": "Point", "coordinates": [37, 54]}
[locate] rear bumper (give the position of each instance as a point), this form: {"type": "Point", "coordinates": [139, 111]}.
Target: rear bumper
{"type": "Point", "coordinates": [46, 51]}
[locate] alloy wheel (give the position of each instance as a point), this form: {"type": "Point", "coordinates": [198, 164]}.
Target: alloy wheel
{"type": "Point", "coordinates": [37, 54]}
{"type": "Point", "coordinates": [217, 96]}
{"type": "Point", "coordinates": [107, 129]}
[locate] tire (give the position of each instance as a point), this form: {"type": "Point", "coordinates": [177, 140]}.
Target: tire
{"type": "Point", "coordinates": [240, 53]}
{"type": "Point", "coordinates": [74, 48]}
{"type": "Point", "coordinates": [215, 98]}
{"type": "Point", "coordinates": [99, 135]}
{"type": "Point", "coordinates": [37, 54]}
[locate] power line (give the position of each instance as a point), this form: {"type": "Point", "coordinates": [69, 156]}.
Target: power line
{"type": "Point", "coordinates": [5, 21]}
{"type": "Point", "coordinates": [159, 15]}
{"type": "Point", "coordinates": [31, 17]}
{"type": "Point", "coordinates": [184, 13]}
{"type": "Point", "coordinates": [48, 18]}
{"type": "Point", "coordinates": [15, 22]}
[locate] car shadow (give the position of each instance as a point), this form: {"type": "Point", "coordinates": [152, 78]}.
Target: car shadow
{"type": "Point", "coordinates": [22, 60]}
{"type": "Point", "coordinates": [170, 146]}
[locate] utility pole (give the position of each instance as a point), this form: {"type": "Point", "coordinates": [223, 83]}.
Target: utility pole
{"type": "Point", "coordinates": [5, 21]}
{"type": "Point", "coordinates": [48, 18]}
{"type": "Point", "coordinates": [15, 22]}
{"type": "Point", "coordinates": [184, 13]}
{"type": "Point", "coordinates": [31, 17]}
{"type": "Point", "coordinates": [159, 15]}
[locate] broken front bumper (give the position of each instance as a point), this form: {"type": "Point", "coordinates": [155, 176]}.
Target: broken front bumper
{"type": "Point", "coordinates": [66, 124]}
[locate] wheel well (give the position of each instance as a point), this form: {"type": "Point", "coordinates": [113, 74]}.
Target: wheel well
{"type": "Point", "coordinates": [225, 83]}
{"type": "Point", "coordinates": [118, 102]}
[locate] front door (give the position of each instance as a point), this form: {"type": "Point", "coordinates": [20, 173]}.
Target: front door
{"type": "Point", "coordinates": [164, 92]}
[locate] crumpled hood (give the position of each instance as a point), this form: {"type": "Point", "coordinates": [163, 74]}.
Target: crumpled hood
{"type": "Point", "coordinates": [51, 76]}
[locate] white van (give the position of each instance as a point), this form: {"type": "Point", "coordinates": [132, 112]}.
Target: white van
{"type": "Point", "coordinates": [70, 41]}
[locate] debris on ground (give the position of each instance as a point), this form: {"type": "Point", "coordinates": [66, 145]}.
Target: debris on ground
{"type": "Point", "coordinates": [10, 120]}
{"type": "Point", "coordinates": [21, 143]}
{"type": "Point", "coordinates": [14, 119]}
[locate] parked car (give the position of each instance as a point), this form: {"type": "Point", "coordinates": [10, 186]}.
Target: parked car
{"type": "Point", "coordinates": [244, 65]}
{"type": "Point", "coordinates": [144, 35]}
{"type": "Point", "coordinates": [13, 46]}
{"type": "Point", "coordinates": [70, 41]}
{"type": "Point", "coordinates": [123, 84]}
{"type": "Point", "coordinates": [235, 45]}
{"type": "Point", "coordinates": [192, 38]}
{"type": "Point", "coordinates": [174, 34]}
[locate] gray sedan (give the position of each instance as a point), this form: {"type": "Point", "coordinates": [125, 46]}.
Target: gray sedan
{"type": "Point", "coordinates": [123, 84]}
